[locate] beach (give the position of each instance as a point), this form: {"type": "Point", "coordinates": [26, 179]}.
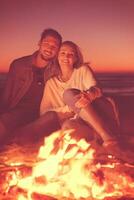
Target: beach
{"type": "Point", "coordinates": [119, 86]}
{"type": "Point", "coordinates": [24, 157]}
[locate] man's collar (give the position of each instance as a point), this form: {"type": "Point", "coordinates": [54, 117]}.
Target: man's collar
{"type": "Point", "coordinates": [50, 63]}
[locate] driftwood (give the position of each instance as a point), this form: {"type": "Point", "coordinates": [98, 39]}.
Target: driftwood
{"type": "Point", "coordinates": [15, 161]}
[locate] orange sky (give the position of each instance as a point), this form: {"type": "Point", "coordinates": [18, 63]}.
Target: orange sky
{"type": "Point", "coordinates": [104, 29]}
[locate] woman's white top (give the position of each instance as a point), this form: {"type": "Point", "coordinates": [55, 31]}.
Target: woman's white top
{"type": "Point", "coordinates": [82, 78]}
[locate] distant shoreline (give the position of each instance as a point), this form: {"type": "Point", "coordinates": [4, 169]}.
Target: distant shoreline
{"type": "Point", "coordinates": [96, 72]}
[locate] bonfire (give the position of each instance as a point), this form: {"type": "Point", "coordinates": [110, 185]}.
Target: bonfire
{"type": "Point", "coordinates": [64, 168]}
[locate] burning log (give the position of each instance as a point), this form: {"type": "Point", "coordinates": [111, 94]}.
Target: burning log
{"type": "Point", "coordinates": [42, 197]}
{"type": "Point", "coordinates": [16, 162]}
{"type": "Point", "coordinates": [66, 169]}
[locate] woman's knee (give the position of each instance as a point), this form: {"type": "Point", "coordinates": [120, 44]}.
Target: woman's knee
{"type": "Point", "coordinates": [69, 94]}
{"type": "Point", "coordinates": [70, 97]}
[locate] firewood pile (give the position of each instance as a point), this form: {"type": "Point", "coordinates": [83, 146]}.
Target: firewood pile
{"type": "Point", "coordinates": [16, 162]}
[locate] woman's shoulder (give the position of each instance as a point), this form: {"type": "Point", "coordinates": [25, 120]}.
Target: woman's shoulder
{"type": "Point", "coordinates": [52, 82]}
{"type": "Point", "coordinates": [85, 67]}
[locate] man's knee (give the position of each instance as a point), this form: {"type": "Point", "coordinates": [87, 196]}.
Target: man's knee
{"type": "Point", "coordinates": [69, 124]}
{"type": "Point", "coordinates": [49, 116]}
{"type": "Point", "coordinates": [39, 128]}
{"type": "Point", "coordinates": [79, 129]}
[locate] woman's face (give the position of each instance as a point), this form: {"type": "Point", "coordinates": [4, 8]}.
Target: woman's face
{"type": "Point", "coordinates": [66, 56]}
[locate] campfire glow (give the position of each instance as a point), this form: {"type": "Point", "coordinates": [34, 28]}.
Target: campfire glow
{"type": "Point", "coordinates": [66, 169]}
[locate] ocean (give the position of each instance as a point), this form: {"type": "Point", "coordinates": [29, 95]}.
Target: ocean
{"type": "Point", "coordinates": [111, 83]}
{"type": "Point", "coordinates": [117, 83]}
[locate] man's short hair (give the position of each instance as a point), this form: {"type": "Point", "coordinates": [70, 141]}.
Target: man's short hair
{"type": "Point", "coordinates": [51, 32]}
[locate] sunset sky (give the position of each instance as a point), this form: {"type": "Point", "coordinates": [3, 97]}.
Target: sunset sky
{"type": "Point", "coordinates": [104, 29]}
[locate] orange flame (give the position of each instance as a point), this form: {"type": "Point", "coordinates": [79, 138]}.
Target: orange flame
{"type": "Point", "coordinates": [66, 169]}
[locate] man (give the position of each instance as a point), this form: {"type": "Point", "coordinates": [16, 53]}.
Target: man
{"type": "Point", "coordinates": [25, 84]}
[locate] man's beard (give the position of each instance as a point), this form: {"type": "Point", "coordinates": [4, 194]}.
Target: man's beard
{"type": "Point", "coordinates": [45, 58]}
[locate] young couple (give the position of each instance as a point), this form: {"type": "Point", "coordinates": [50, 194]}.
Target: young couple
{"type": "Point", "coordinates": [56, 84]}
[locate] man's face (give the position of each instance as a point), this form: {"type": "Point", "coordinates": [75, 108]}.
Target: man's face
{"type": "Point", "coordinates": [48, 48]}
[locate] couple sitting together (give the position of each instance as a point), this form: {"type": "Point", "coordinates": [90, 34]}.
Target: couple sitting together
{"type": "Point", "coordinates": [54, 89]}
{"type": "Point", "coordinates": [77, 100]}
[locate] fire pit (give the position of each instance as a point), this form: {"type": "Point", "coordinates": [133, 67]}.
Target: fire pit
{"type": "Point", "coordinates": [67, 169]}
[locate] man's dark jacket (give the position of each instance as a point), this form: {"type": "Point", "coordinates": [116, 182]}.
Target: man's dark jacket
{"type": "Point", "coordinates": [20, 77]}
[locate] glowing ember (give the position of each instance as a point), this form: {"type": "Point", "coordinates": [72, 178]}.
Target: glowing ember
{"type": "Point", "coordinates": [66, 169]}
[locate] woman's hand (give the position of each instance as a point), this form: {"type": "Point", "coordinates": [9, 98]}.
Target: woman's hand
{"type": "Point", "coordinates": [86, 97]}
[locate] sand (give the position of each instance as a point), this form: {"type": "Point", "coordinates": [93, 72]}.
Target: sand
{"type": "Point", "coordinates": [126, 113]}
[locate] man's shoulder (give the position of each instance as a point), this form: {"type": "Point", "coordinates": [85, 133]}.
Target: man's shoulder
{"type": "Point", "coordinates": [21, 64]}
{"type": "Point", "coordinates": [23, 60]}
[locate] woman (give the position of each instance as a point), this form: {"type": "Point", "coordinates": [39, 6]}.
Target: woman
{"type": "Point", "coordinates": [75, 91]}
